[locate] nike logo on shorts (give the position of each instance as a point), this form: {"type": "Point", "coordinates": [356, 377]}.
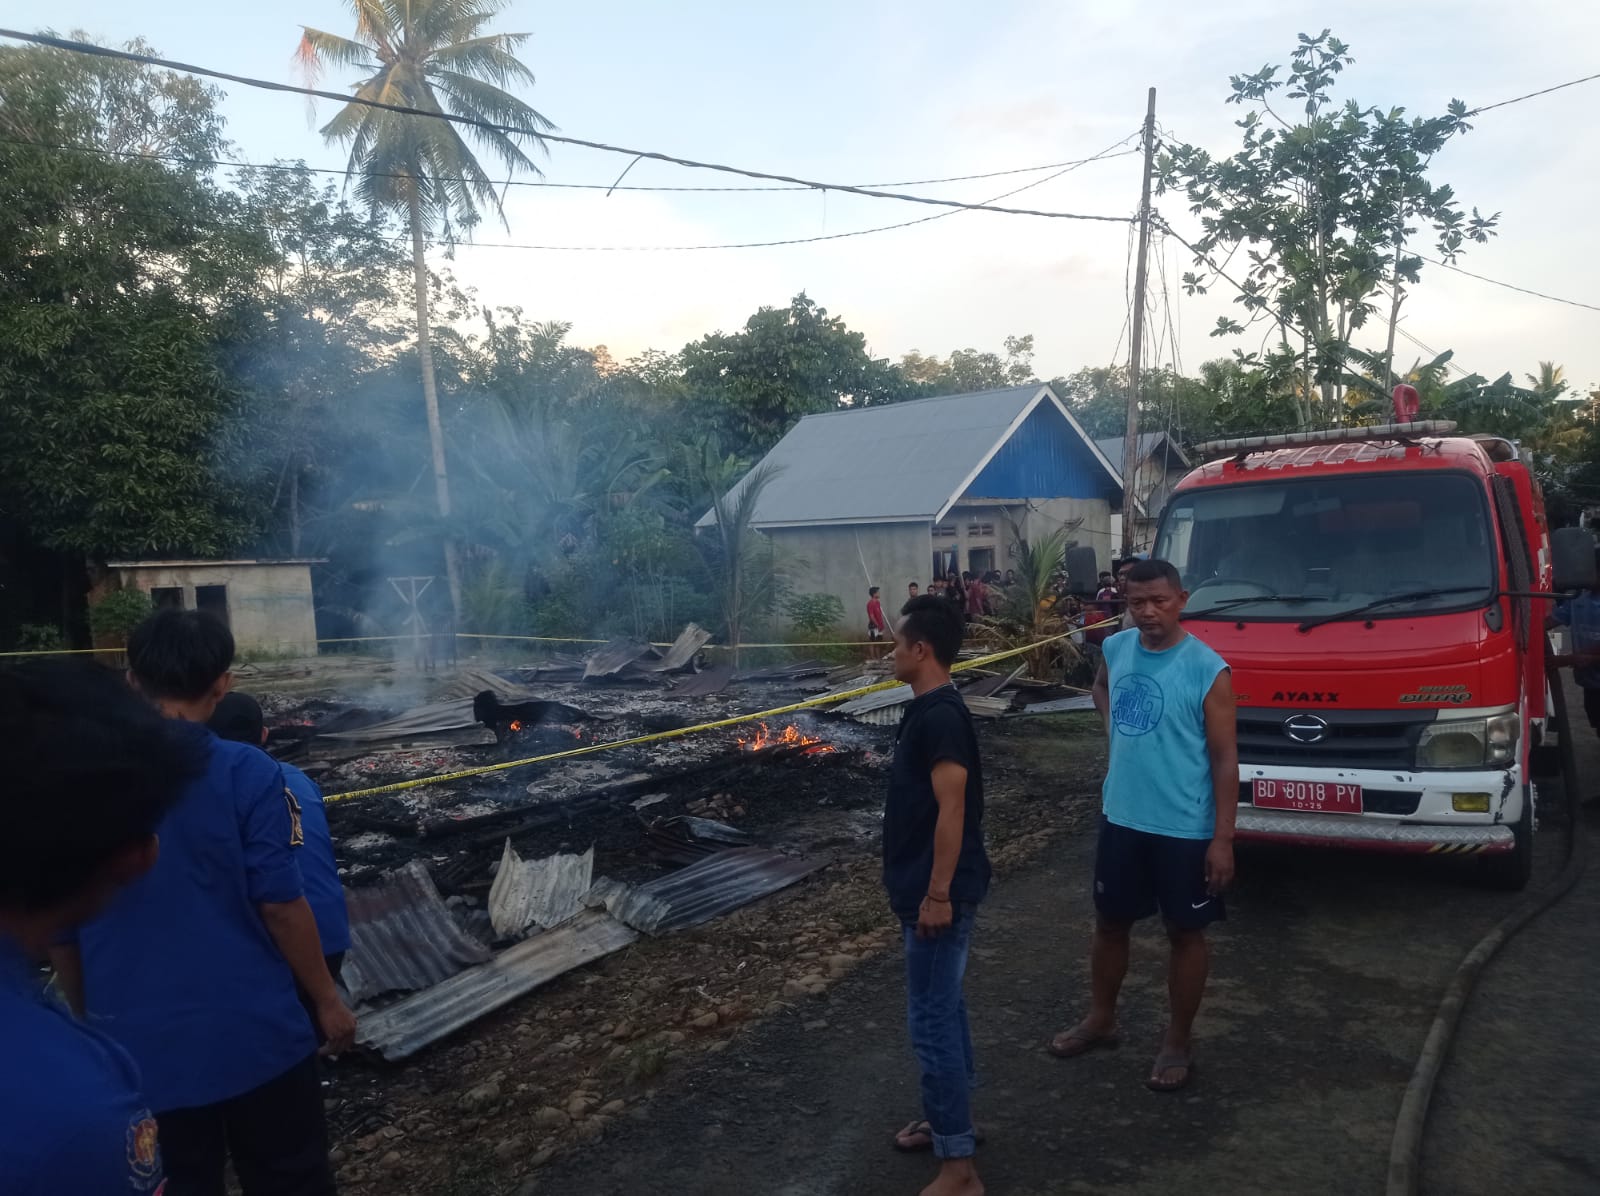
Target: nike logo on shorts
{"type": "Point", "coordinates": [1200, 904]}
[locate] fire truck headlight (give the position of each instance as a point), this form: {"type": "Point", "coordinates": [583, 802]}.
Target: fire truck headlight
{"type": "Point", "coordinates": [1470, 742]}
{"type": "Point", "coordinates": [1502, 733]}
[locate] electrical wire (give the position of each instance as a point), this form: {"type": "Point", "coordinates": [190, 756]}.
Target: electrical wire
{"type": "Point", "coordinates": [77, 47]}
{"type": "Point", "coordinates": [1533, 94]}
{"type": "Point", "coordinates": [287, 167]}
{"type": "Point", "coordinates": [860, 232]}
{"type": "Point", "coordinates": [1511, 286]}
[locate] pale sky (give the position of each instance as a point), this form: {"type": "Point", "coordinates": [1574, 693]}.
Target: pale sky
{"type": "Point", "coordinates": [883, 90]}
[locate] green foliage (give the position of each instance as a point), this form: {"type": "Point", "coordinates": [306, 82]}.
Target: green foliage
{"type": "Point", "coordinates": [753, 385]}
{"type": "Point", "coordinates": [434, 55]}
{"type": "Point", "coordinates": [118, 613]}
{"type": "Point", "coordinates": [40, 637]}
{"type": "Point", "coordinates": [967, 370]}
{"type": "Point", "coordinates": [815, 614]}
{"type": "Point", "coordinates": [1324, 206]}
{"type": "Point", "coordinates": [120, 299]}
{"type": "Point", "coordinates": [492, 603]}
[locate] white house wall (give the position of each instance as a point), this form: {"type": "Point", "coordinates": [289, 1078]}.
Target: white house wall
{"type": "Point", "coordinates": [270, 607]}
{"type": "Point", "coordinates": [844, 559]}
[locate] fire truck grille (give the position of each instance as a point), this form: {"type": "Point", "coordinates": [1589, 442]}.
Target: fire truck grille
{"type": "Point", "coordinates": [1330, 738]}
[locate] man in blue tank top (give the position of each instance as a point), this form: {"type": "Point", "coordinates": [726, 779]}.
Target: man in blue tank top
{"type": "Point", "coordinates": [1170, 798]}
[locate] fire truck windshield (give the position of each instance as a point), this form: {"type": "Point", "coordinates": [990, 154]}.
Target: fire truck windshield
{"type": "Point", "coordinates": [1298, 549]}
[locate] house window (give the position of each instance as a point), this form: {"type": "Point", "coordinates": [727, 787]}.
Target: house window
{"type": "Point", "coordinates": [944, 532]}
{"type": "Point", "coordinates": [980, 560]}
{"type": "Point", "coordinates": [167, 597]}
{"type": "Point", "coordinates": [213, 600]}
{"type": "Point", "coordinates": [980, 529]}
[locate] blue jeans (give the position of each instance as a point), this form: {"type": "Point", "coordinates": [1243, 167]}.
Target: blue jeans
{"type": "Point", "coordinates": [936, 1015]}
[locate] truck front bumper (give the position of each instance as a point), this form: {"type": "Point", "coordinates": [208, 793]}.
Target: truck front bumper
{"type": "Point", "coordinates": [1423, 819]}
{"type": "Point", "coordinates": [1365, 833]}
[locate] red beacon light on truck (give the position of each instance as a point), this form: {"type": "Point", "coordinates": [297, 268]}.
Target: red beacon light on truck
{"type": "Point", "coordinates": [1407, 402]}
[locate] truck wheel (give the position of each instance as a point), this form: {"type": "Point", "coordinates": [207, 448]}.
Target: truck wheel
{"type": "Point", "coordinates": [1511, 870]}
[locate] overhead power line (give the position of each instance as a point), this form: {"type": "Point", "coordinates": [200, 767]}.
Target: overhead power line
{"type": "Point", "coordinates": [860, 232]}
{"type": "Point", "coordinates": [1534, 94]}
{"type": "Point", "coordinates": [1511, 286]}
{"type": "Point", "coordinates": [178, 160]}
{"type": "Point", "coordinates": [512, 130]}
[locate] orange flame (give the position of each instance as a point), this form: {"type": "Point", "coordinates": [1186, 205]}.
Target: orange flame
{"type": "Point", "coordinates": [790, 736]}
{"type": "Point", "coordinates": [515, 724]}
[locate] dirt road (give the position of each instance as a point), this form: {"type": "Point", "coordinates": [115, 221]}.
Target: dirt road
{"type": "Point", "coordinates": [1326, 977]}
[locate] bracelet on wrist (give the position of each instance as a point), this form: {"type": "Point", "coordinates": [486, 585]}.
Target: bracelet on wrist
{"type": "Point", "coordinates": [940, 900]}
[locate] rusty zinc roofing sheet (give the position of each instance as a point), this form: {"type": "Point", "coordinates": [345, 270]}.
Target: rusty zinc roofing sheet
{"type": "Point", "coordinates": [402, 937]}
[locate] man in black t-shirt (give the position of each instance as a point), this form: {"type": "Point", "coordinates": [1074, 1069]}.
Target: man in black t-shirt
{"type": "Point", "coordinates": [936, 873]}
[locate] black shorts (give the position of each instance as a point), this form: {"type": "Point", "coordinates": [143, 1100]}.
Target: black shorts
{"type": "Point", "coordinates": [1591, 707]}
{"type": "Point", "coordinates": [874, 633]}
{"type": "Point", "coordinates": [1137, 873]}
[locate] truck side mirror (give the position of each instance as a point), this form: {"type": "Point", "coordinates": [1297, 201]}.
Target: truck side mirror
{"type": "Point", "coordinates": [1572, 556]}
{"type": "Point", "coordinates": [1083, 572]}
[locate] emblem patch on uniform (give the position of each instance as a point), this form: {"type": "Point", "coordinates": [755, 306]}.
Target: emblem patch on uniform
{"type": "Point", "coordinates": [297, 835]}
{"type": "Point", "coordinates": [144, 1153]}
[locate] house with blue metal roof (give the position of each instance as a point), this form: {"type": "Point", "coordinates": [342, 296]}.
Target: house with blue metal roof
{"type": "Point", "coordinates": [906, 492]}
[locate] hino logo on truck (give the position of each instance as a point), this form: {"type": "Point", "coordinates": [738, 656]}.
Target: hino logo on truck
{"type": "Point", "coordinates": [1305, 695]}
{"type": "Point", "coordinates": [1305, 728]}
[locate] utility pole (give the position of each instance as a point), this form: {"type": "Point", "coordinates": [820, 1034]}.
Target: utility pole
{"type": "Point", "coordinates": [1130, 443]}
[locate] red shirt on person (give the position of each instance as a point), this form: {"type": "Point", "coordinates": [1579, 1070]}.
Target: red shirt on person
{"type": "Point", "coordinates": [875, 615]}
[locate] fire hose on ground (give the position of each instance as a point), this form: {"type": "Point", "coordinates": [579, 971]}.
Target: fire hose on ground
{"type": "Point", "coordinates": [1405, 1152]}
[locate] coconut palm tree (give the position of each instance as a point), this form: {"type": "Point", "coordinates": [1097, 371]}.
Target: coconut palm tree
{"type": "Point", "coordinates": [1550, 382]}
{"type": "Point", "coordinates": [433, 55]}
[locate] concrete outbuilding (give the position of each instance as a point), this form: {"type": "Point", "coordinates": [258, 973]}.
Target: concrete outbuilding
{"type": "Point", "coordinates": [268, 604]}
{"type": "Point", "coordinates": [907, 492]}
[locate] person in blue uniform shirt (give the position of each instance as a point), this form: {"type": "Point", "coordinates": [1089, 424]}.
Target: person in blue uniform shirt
{"type": "Point", "coordinates": [90, 771]}
{"type": "Point", "coordinates": [238, 718]}
{"type": "Point", "coordinates": [193, 967]}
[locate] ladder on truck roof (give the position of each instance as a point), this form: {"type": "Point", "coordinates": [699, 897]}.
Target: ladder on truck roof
{"type": "Point", "coordinates": [1405, 433]}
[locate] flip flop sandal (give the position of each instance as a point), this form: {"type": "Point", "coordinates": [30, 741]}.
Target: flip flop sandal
{"type": "Point", "coordinates": [1165, 1061]}
{"type": "Point", "coordinates": [923, 1132]}
{"type": "Point", "coordinates": [1072, 1043]}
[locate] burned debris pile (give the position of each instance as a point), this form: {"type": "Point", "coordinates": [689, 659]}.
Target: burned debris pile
{"type": "Point", "coordinates": [469, 892]}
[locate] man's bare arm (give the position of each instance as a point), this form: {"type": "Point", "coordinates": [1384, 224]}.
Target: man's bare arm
{"type": "Point", "coordinates": [294, 929]}
{"type": "Point", "coordinates": [1101, 693]}
{"type": "Point", "coordinates": [1222, 746]}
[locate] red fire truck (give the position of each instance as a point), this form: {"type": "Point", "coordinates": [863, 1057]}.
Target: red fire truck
{"type": "Point", "coordinates": [1381, 594]}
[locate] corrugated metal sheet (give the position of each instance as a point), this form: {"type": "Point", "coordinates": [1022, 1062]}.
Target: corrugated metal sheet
{"type": "Point", "coordinates": [1045, 458]}
{"type": "Point", "coordinates": [898, 461]}
{"type": "Point", "coordinates": [402, 937]}
{"type": "Point", "coordinates": [716, 885]}
{"type": "Point", "coordinates": [895, 695]}
{"type": "Point", "coordinates": [543, 893]}
{"type": "Point", "coordinates": [1111, 446]}
{"type": "Point", "coordinates": [703, 684]}
{"type": "Point", "coordinates": [402, 1029]}
{"type": "Point", "coordinates": [684, 649]}
{"type": "Point", "coordinates": [1060, 705]}
{"type": "Point", "coordinates": [612, 658]}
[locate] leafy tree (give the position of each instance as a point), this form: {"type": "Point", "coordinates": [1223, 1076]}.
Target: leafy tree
{"type": "Point", "coordinates": [751, 386]}
{"type": "Point", "coordinates": [1323, 207]}
{"type": "Point", "coordinates": [968, 370]}
{"type": "Point", "coordinates": [433, 55]}
{"type": "Point", "coordinates": [124, 283]}
{"type": "Point", "coordinates": [329, 318]}
{"type": "Point", "coordinates": [1550, 382]}
{"type": "Point", "coordinates": [739, 558]}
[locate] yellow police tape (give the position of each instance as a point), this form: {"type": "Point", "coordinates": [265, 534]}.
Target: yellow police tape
{"type": "Point", "coordinates": [589, 749]}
